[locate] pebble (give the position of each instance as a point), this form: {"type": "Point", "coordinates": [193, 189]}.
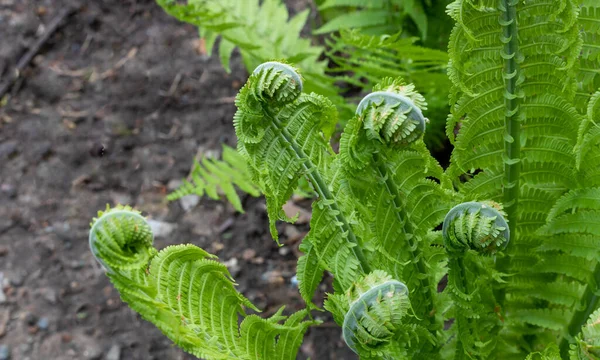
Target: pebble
{"type": "Point", "coordinates": [161, 228]}
{"type": "Point", "coordinates": [43, 323]}
{"type": "Point", "coordinates": [233, 266]}
{"type": "Point", "coordinates": [50, 295]}
{"type": "Point", "coordinates": [294, 281]}
{"type": "Point", "coordinates": [4, 352]}
{"type": "Point", "coordinates": [114, 353]}
{"type": "Point", "coordinates": [189, 202]}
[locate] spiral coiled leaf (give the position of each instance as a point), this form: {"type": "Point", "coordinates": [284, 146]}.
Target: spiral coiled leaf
{"type": "Point", "coordinates": [478, 226]}
{"type": "Point", "coordinates": [121, 239]}
{"type": "Point", "coordinates": [374, 308]}
{"type": "Point", "coordinates": [393, 114]}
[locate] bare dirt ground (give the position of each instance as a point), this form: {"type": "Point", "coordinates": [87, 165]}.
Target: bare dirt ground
{"type": "Point", "coordinates": [112, 109]}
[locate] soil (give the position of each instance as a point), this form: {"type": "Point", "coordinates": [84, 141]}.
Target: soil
{"type": "Point", "coordinates": [113, 109]}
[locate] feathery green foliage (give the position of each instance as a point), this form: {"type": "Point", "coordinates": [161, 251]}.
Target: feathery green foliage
{"type": "Point", "coordinates": [211, 177]}
{"type": "Point", "coordinates": [374, 16]}
{"type": "Point", "coordinates": [518, 207]}
{"type": "Point", "coordinates": [189, 295]}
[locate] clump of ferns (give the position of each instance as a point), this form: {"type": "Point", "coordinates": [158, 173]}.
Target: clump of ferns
{"type": "Point", "coordinates": [370, 228]}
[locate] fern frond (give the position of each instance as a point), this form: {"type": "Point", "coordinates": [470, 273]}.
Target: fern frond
{"type": "Point", "coordinates": [212, 177]}
{"type": "Point", "coordinates": [188, 295]}
{"type": "Point", "coordinates": [515, 121]}
{"type": "Point", "coordinates": [283, 135]}
{"type": "Point", "coordinates": [242, 24]}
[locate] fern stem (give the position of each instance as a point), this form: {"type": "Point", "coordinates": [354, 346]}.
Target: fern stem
{"type": "Point", "coordinates": [581, 316]}
{"type": "Point", "coordinates": [512, 121]}
{"type": "Point", "coordinates": [323, 191]}
{"type": "Point", "coordinates": [408, 229]}
{"type": "Point", "coordinates": [456, 265]}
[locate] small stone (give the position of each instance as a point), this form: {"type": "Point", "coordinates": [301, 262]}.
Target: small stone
{"type": "Point", "coordinates": [284, 250]}
{"type": "Point", "coordinates": [161, 228]}
{"type": "Point", "coordinates": [3, 250]}
{"type": "Point", "coordinates": [292, 233]}
{"type": "Point", "coordinates": [114, 353]}
{"type": "Point", "coordinates": [50, 295]}
{"type": "Point", "coordinates": [233, 266]}
{"type": "Point", "coordinates": [249, 254]}
{"type": "Point", "coordinates": [292, 210]}
{"type": "Point", "coordinates": [18, 279]}
{"type": "Point", "coordinates": [294, 281]}
{"type": "Point", "coordinates": [174, 184]}
{"type": "Point", "coordinates": [273, 278]}
{"type": "Point", "coordinates": [189, 202]}
{"type": "Point", "coordinates": [4, 352]}
{"type": "Point", "coordinates": [43, 323]}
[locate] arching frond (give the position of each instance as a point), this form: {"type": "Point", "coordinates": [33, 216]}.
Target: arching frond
{"type": "Point", "coordinates": [189, 295]}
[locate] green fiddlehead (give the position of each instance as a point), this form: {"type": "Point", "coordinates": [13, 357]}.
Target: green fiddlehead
{"type": "Point", "coordinates": [374, 308]}
{"type": "Point", "coordinates": [187, 294]}
{"type": "Point", "coordinates": [471, 231]}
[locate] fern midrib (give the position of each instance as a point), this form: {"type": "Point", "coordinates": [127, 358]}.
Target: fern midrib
{"type": "Point", "coordinates": [457, 263]}
{"type": "Point", "coordinates": [322, 190]}
{"type": "Point", "coordinates": [512, 142]}
{"type": "Point", "coordinates": [408, 229]}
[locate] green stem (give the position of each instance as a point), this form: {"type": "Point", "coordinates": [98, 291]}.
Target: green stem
{"type": "Point", "coordinates": [415, 251]}
{"type": "Point", "coordinates": [323, 191]}
{"type": "Point", "coordinates": [457, 269]}
{"type": "Point", "coordinates": [592, 301]}
{"type": "Point", "coordinates": [512, 123]}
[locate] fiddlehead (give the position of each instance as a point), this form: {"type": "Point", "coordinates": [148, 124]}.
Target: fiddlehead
{"type": "Point", "coordinates": [283, 135]}
{"type": "Point", "coordinates": [393, 113]}
{"type": "Point", "coordinates": [471, 230]}
{"type": "Point", "coordinates": [187, 294]}
{"type": "Point", "coordinates": [478, 226]}
{"type": "Point", "coordinates": [374, 308]}
{"type": "Point", "coordinates": [120, 239]}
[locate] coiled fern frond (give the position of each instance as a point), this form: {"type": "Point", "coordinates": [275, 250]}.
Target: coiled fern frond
{"type": "Point", "coordinates": [188, 294]}
{"type": "Point", "coordinates": [478, 226]}
{"type": "Point", "coordinates": [374, 308]}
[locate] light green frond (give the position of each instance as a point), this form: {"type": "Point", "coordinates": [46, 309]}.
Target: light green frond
{"type": "Point", "coordinates": [189, 295]}
{"type": "Point", "coordinates": [284, 136]}
{"type": "Point", "coordinates": [213, 177]}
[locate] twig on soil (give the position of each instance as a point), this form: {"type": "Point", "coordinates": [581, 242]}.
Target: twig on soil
{"type": "Point", "coordinates": [34, 49]}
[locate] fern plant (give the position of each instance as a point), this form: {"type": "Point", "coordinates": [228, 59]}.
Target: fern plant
{"type": "Point", "coordinates": [212, 177]}
{"type": "Point", "coordinates": [496, 257]}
